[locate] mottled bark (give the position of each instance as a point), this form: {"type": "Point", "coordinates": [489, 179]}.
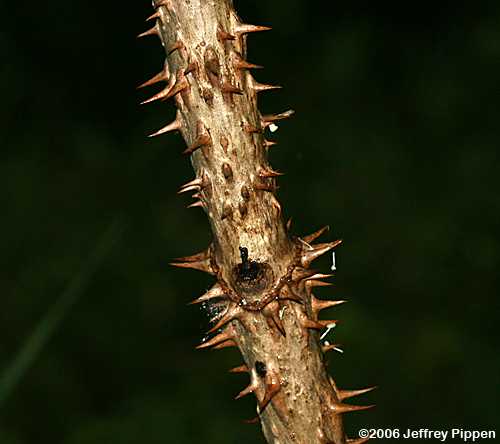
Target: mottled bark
{"type": "Point", "coordinates": [262, 295]}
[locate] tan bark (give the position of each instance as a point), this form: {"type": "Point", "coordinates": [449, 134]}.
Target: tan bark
{"type": "Point", "coordinates": [264, 302]}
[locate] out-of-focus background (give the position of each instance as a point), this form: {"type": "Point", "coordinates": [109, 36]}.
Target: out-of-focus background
{"type": "Point", "coordinates": [394, 144]}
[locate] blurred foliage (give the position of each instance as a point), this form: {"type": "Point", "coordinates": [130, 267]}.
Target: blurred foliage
{"type": "Point", "coordinates": [394, 144]}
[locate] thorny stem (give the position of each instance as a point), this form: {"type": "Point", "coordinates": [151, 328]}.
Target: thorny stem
{"type": "Point", "coordinates": [263, 280]}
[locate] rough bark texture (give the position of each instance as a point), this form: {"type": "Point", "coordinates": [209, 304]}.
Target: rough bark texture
{"type": "Point", "coordinates": [262, 296]}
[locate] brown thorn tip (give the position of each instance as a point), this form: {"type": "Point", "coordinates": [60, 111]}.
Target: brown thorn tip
{"type": "Point", "coordinates": [318, 250]}
{"type": "Point", "coordinates": [232, 313]}
{"type": "Point", "coordinates": [217, 339]}
{"type": "Point", "coordinates": [215, 292]}
{"type": "Point", "coordinates": [153, 16]}
{"type": "Point", "coordinates": [173, 126]}
{"type": "Point", "coordinates": [160, 77]}
{"type": "Point", "coordinates": [268, 119]}
{"type": "Point", "coordinates": [225, 344]}
{"type": "Point", "coordinates": [260, 87]}
{"type": "Point", "coordinates": [346, 408]}
{"type": "Point", "coordinates": [313, 236]}
{"type": "Point", "coordinates": [202, 255]}
{"type": "Point", "coordinates": [245, 29]}
{"type": "Point", "coordinates": [179, 86]}
{"type": "Point", "coordinates": [196, 204]}
{"type": "Point", "coordinates": [240, 369]}
{"type": "Point", "coordinates": [346, 394]}
{"type": "Point", "coordinates": [320, 304]}
{"type": "Point", "coordinates": [151, 31]}
{"type": "Point", "coordinates": [198, 265]}
{"type": "Point", "coordinates": [243, 64]}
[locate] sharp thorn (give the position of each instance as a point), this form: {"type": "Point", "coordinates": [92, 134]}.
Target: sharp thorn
{"type": "Point", "coordinates": [232, 313]}
{"type": "Point", "coordinates": [260, 87]}
{"type": "Point", "coordinates": [318, 304]}
{"type": "Point", "coordinates": [151, 31]}
{"type": "Point", "coordinates": [196, 204]}
{"type": "Point", "coordinates": [173, 126]}
{"type": "Point", "coordinates": [346, 408]}
{"type": "Point", "coordinates": [346, 394]}
{"type": "Point", "coordinates": [191, 188]}
{"type": "Point", "coordinates": [317, 251]}
{"type": "Point", "coordinates": [245, 29]}
{"type": "Point", "coordinates": [316, 283]}
{"type": "Point", "coordinates": [313, 236]}
{"type": "Point", "coordinates": [270, 118]}
{"type": "Point", "coordinates": [215, 292]}
{"type": "Point", "coordinates": [153, 16]}
{"type": "Point", "coordinates": [198, 265]}
{"type": "Point", "coordinates": [243, 64]}
{"type": "Point", "coordinates": [217, 339]}
{"type": "Point", "coordinates": [160, 77]}
{"type": "Point", "coordinates": [225, 344]}
{"type": "Point", "coordinates": [201, 256]}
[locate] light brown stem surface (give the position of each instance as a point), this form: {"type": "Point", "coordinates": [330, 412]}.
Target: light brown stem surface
{"type": "Point", "coordinates": [266, 307]}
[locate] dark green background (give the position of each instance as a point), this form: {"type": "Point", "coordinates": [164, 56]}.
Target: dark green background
{"type": "Point", "coordinates": [394, 144]}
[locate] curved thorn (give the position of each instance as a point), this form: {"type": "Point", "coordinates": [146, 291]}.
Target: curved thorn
{"type": "Point", "coordinates": [317, 251]}
{"type": "Point", "coordinates": [313, 236]}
